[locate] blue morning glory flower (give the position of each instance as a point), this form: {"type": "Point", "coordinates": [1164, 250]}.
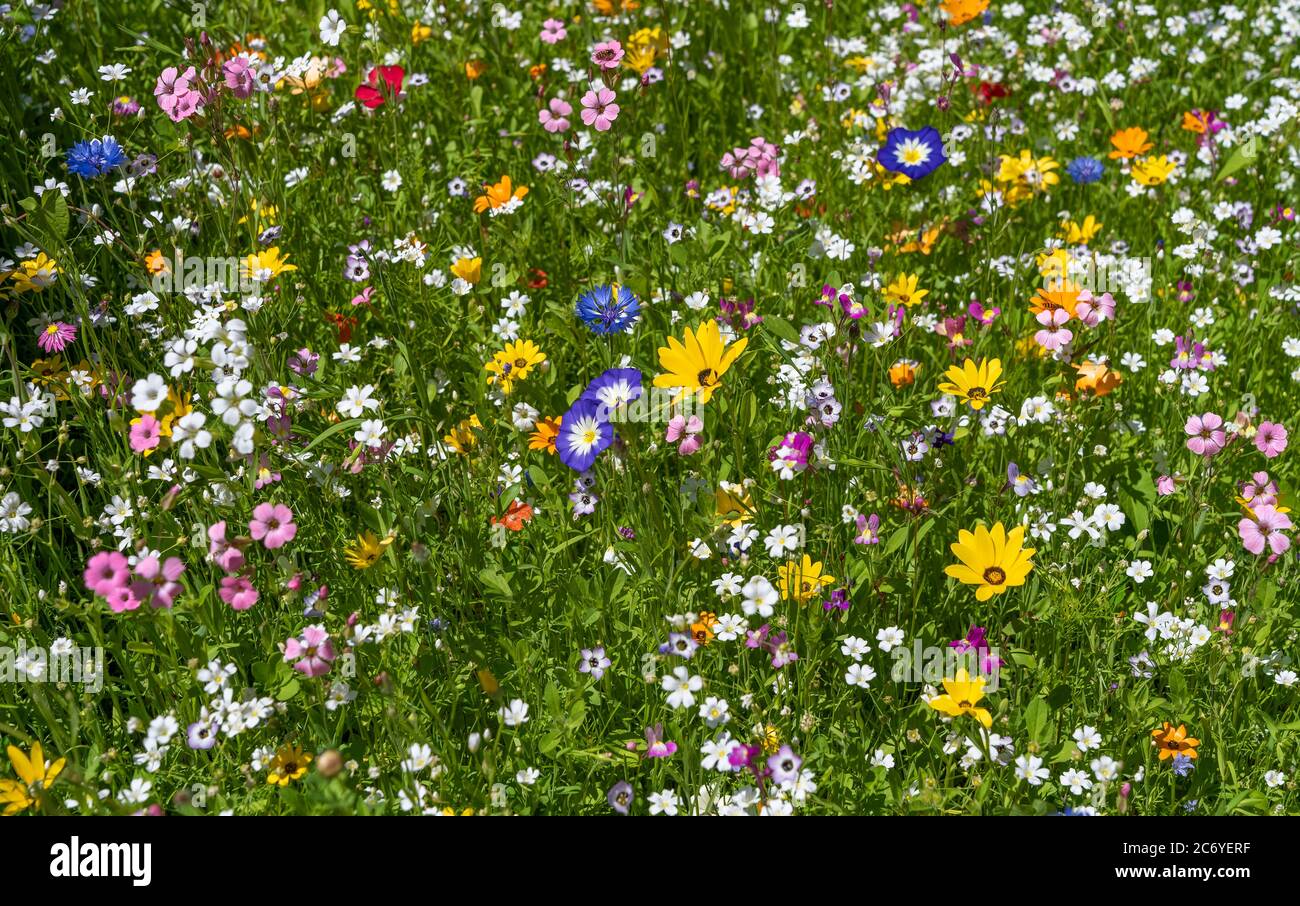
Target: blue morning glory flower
{"type": "Point", "coordinates": [608, 309]}
{"type": "Point", "coordinates": [614, 389]}
{"type": "Point", "coordinates": [913, 153]}
{"type": "Point", "coordinates": [95, 157]}
{"type": "Point", "coordinates": [1084, 170]}
{"type": "Point", "coordinates": [584, 433]}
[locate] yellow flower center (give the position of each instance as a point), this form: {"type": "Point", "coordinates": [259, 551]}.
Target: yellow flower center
{"type": "Point", "coordinates": [995, 575]}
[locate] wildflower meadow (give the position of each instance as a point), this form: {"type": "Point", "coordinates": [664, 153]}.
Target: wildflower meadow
{"type": "Point", "coordinates": [727, 407]}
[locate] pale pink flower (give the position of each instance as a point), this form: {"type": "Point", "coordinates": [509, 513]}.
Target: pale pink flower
{"type": "Point", "coordinates": [599, 109]}
{"type": "Point", "coordinates": [1054, 334]}
{"type": "Point", "coordinates": [313, 651]}
{"type": "Point", "coordinates": [1265, 527]}
{"type": "Point", "coordinates": [554, 117]}
{"type": "Point", "coordinates": [1205, 434]}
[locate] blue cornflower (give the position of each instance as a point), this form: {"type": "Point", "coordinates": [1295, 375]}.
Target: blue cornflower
{"type": "Point", "coordinates": [1084, 170]}
{"type": "Point", "coordinates": [1183, 765]}
{"type": "Point", "coordinates": [95, 157]}
{"type": "Point", "coordinates": [914, 153]}
{"type": "Point", "coordinates": [609, 309]}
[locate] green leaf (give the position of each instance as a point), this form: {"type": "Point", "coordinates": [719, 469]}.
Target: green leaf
{"type": "Point", "coordinates": [1242, 156]}
{"type": "Point", "coordinates": [1036, 715]}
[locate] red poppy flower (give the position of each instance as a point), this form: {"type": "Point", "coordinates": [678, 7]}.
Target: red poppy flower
{"type": "Point", "coordinates": [372, 93]}
{"type": "Point", "coordinates": [538, 279]}
{"type": "Point", "coordinates": [516, 516]}
{"type": "Point", "coordinates": [990, 91]}
{"type": "Point", "coordinates": [342, 323]}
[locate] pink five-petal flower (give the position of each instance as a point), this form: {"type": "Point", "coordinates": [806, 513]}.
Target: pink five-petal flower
{"type": "Point", "coordinates": [226, 555]}
{"type": "Point", "coordinates": [313, 651]}
{"type": "Point", "coordinates": [146, 434]}
{"type": "Point", "coordinates": [106, 571]}
{"type": "Point", "coordinates": [607, 55]}
{"type": "Point", "coordinates": [554, 117]}
{"type": "Point", "coordinates": [238, 592]}
{"type": "Point", "coordinates": [1053, 335]}
{"type": "Point", "coordinates": [553, 31]}
{"type": "Point", "coordinates": [1205, 434]}
{"type": "Point", "coordinates": [1265, 527]}
{"type": "Point", "coordinates": [272, 525]}
{"type": "Point", "coordinates": [1270, 439]}
{"type": "Point", "coordinates": [599, 109]}
{"type": "Point", "coordinates": [156, 581]}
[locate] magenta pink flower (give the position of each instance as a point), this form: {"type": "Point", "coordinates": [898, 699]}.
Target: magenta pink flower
{"type": "Point", "coordinates": [1270, 439]}
{"type": "Point", "coordinates": [1165, 485]}
{"type": "Point", "coordinates": [238, 77]}
{"type": "Point", "coordinates": [146, 434]}
{"type": "Point", "coordinates": [56, 336]}
{"type": "Point", "coordinates": [1205, 435]}
{"type": "Point", "coordinates": [553, 31]}
{"type": "Point", "coordinates": [121, 599]}
{"type": "Point", "coordinates": [1265, 527]}
{"type": "Point", "coordinates": [272, 525]}
{"type": "Point", "coordinates": [238, 592]}
{"type": "Point", "coordinates": [156, 582]}
{"type": "Point", "coordinates": [599, 109]}
{"type": "Point", "coordinates": [553, 118]}
{"type": "Point", "coordinates": [106, 571]}
{"type": "Point", "coordinates": [607, 55]}
{"type": "Point", "coordinates": [226, 555]}
{"type": "Point", "coordinates": [1054, 334]}
{"type": "Point", "coordinates": [313, 651]}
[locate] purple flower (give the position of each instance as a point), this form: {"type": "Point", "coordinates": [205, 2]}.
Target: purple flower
{"type": "Point", "coordinates": [620, 797]}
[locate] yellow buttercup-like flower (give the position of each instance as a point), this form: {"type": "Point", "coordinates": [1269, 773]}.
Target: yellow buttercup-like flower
{"type": "Point", "coordinates": [803, 580]}
{"type": "Point", "coordinates": [1153, 171]}
{"type": "Point", "coordinates": [973, 383]}
{"type": "Point", "coordinates": [993, 559]}
{"type": "Point", "coordinates": [961, 695]}
{"type": "Point", "coordinates": [468, 269]}
{"type": "Point", "coordinates": [34, 778]}
{"type": "Point", "coordinates": [514, 363]}
{"type": "Point", "coordinates": [904, 291]}
{"type": "Point", "coordinates": [289, 764]}
{"type": "Point", "coordinates": [266, 264]}
{"type": "Point", "coordinates": [35, 274]}
{"type": "Point", "coordinates": [367, 549]}
{"type": "Point", "coordinates": [696, 364]}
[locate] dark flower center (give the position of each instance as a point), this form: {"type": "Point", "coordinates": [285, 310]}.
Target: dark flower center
{"type": "Point", "coordinates": [977, 393]}
{"type": "Point", "coordinates": [995, 575]}
{"type": "Point", "coordinates": [707, 378]}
